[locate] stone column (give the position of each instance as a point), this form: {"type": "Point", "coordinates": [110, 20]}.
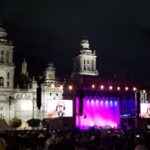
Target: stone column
{"type": "Point", "coordinates": [94, 67]}
{"type": "Point", "coordinates": [91, 65]}
{"type": "Point", "coordinates": [82, 64]}
{"type": "Point", "coordinates": [11, 57]}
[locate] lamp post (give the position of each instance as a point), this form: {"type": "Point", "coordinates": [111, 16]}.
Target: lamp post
{"type": "Point", "coordinates": [9, 103]}
{"type": "Point", "coordinates": [33, 107]}
{"type": "Point", "coordinates": [137, 105]}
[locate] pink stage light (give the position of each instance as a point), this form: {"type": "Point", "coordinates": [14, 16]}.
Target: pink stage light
{"type": "Point", "coordinates": [110, 87]}
{"type": "Point", "coordinates": [111, 103]}
{"type": "Point", "coordinates": [115, 103]}
{"type": "Point", "coordinates": [134, 88]}
{"type": "Point", "coordinates": [101, 102]}
{"type": "Point", "coordinates": [93, 86]}
{"type": "Point", "coordinates": [118, 88]}
{"type": "Point", "coordinates": [70, 87]}
{"type": "Point", "coordinates": [102, 87]}
{"type": "Point", "coordinates": [106, 102]}
{"type": "Point", "coordinates": [97, 102]}
{"type": "Point", "coordinates": [126, 88]}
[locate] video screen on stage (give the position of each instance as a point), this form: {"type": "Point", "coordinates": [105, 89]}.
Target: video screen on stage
{"type": "Point", "coordinates": [145, 110]}
{"type": "Point", "coordinates": [60, 108]}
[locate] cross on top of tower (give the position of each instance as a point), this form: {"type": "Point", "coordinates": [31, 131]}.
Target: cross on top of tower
{"type": "Point", "coordinates": [3, 32]}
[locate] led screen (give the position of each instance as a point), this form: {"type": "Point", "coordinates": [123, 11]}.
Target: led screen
{"type": "Point", "coordinates": [59, 108]}
{"type": "Point", "coordinates": [145, 110]}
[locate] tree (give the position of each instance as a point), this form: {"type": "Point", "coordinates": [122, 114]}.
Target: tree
{"type": "Point", "coordinates": [15, 122]}
{"type": "Point", "coordinates": [3, 124]}
{"type": "Point", "coordinates": [34, 122]}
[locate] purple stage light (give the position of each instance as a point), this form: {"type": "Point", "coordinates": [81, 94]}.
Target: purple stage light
{"type": "Point", "coordinates": [111, 103]}
{"type": "Point", "coordinates": [97, 102]}
{"type": "Point", "coordinates": [87, 101]}
{"type": "Point", "coordinates": [106, 103]}
{"type": "Point", "coordinates": [116, 103]}
{"type": "Point", "coordinates": [100, 112]}
{"type": "Point", "coordinates": [101, 102]}
{"type": "Point", "coordinates": [92, 101]}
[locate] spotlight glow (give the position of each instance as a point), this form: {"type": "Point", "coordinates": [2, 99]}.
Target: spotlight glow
{"type": "Point", "coordinates": [115, 103]}
{"type": "Point", "coordinates": [97, 102]}
{"type": "Point", "coordinates": [118, 88]}
{"type": "Point", "coordinates": [134, 88]}
{"type": "Point", "coordinates": [144, 91]}
{"type": "Point", "coordinates": [101, 102]}
{"type": "Point", "coordinates": [106, 103]}
{"type": "Point", "coordinates": [111, 103]}
{"type": "Point", "coordinates": [70, 87]}
{"type": "Point", "coordinates": [126, 88]}
{"type": "Point", "coordinates": [110, 87]}
{"type": "Point", "coordinates": [92, 101]}
{"type": "Point", "coordinates": [93, 86]}
{"type": "Point", "coordinates": [102, 87]}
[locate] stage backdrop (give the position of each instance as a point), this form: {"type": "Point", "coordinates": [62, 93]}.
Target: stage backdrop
{"type": "Point", "coordinates": [103, 110]}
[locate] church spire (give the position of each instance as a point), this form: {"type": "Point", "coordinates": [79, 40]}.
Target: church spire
{"type": "Point", "coordinates": [50, 73]}
{"type": "Point", "coordinates": [24, 68]}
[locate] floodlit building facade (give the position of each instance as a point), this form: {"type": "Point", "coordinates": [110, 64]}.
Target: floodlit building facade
{"type": "Point", "coordinates": [45, 100]}
{"type": "Point", "coordinates": [21, 102]}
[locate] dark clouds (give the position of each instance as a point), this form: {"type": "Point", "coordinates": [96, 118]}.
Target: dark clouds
{"type": "Point", "coordinates": [49, 30]}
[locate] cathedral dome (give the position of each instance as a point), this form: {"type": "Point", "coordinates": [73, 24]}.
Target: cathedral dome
{"type": "Point", "coordinates": [85, 44]}
{"type": "Point", "coordinates": [51, 67]}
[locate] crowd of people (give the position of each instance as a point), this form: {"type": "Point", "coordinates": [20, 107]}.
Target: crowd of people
{"type": "Point", "coordinates": [93, 139]}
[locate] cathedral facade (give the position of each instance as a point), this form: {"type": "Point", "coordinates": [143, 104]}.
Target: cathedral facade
{"type": "Point", "coordinates": [48, 99]}
{"type": "Point", "coordinates": [21, 102]}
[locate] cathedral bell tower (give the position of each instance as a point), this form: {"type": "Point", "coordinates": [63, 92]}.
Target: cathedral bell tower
{"type": "Point", "coordinates": [6, 61]}
{"type": "Point", "coordinates": [85, 62]}
{"type": "Point", "coordinates": [50, 74]}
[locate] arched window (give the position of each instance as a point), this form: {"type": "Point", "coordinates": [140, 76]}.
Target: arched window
{"type": "Point", "coordinates": [8, 79]}
{"type": "Point", "coordinates": [8, 75]}
{"type": "Point", "coordinates": [1, 82]}
{"type": "Point", "coordinates": [7, 57]}
{"type": "Point", "coordinates": [84, 67]}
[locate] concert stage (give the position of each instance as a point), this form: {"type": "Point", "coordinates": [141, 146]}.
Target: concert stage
{"type": "Point", "coordinates": [103, 109]}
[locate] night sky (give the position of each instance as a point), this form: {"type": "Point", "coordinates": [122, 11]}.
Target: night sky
{"type": "Point", "coordinates": [50, 31]}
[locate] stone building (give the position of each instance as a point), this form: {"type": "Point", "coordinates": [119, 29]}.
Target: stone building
{"type": "Point", "coordinates": [21, 102]}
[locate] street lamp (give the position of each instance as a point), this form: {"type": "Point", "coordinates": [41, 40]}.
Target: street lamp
{"type": "Point", "coordinates": [9, 103]}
